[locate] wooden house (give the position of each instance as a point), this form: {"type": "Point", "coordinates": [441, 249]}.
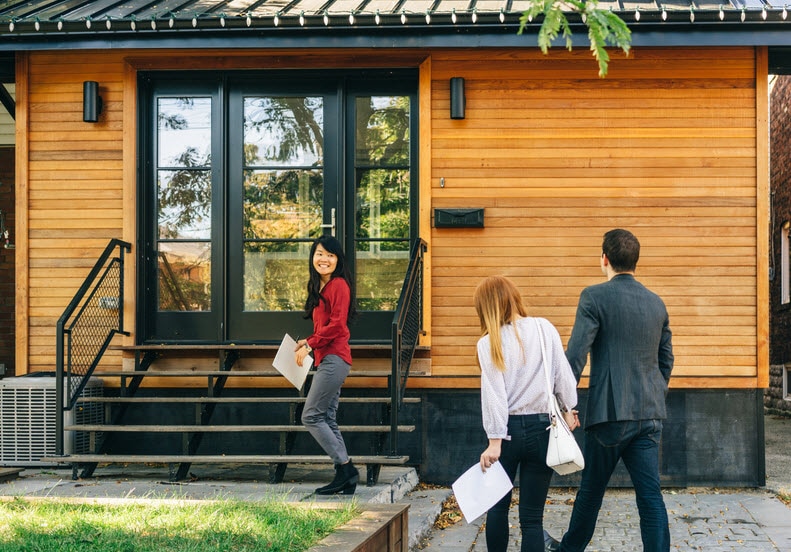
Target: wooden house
{"type": "Point", "coordinates": [231, 133]}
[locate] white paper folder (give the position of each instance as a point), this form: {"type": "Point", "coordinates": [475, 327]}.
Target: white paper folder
{"type": "Point", "coordinates": [286, 363]}
{"type": "Point", "coordinates": [477, 491]}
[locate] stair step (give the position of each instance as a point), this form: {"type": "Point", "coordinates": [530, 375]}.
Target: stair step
{"type": "Point", "coordinates": [190, 400]}
{"type": "Point", "coordinates": [165, 347]}
{"type": "Point", "coordinates": [151, 428]}
{"type": "Point", "coordinates": [219, 459]}
{"type": "Point", "coordinates": [228, 373]}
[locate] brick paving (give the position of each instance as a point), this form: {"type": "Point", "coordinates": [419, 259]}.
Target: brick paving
{"type": "Point", "coordinates": [700, 520]}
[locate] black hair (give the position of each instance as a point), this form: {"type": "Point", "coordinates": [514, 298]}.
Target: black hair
{"type": "Point", "coordinates": [622, 250]}
{"type": "Point", "coordinates": [331, 245]}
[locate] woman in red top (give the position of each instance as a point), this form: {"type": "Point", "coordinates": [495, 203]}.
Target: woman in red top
{"type": "Point", "coordinates": [331, 304]}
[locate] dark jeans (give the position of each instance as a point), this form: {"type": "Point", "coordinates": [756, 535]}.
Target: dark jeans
{"type": "Point", "coordinates": [527, 451]}
{"type": "Point", "coordinates": [637, 443]}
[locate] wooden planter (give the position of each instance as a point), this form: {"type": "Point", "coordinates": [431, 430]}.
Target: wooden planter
{"type": "Point", "coordinates": [379, 528]}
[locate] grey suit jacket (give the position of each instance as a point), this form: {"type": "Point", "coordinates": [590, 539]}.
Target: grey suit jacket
{"type": "Point", "coordinates": [625, 328]}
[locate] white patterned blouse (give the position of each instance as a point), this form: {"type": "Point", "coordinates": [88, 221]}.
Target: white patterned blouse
{"type": "Point", "coordinates": [521, 388]}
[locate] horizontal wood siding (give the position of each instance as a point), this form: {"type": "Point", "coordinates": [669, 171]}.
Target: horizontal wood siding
{"type": "Point", "coordinates": [664, 146]}
{"type": "Point", "coordinates": [74, 202]}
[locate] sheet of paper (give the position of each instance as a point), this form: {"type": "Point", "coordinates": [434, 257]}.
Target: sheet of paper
{"type": "Point", "coordinates": [286, 363]}
{"type": "Point", "coordinates": [477, 491]}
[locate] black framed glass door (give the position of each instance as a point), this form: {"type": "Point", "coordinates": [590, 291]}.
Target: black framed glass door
{"type": "Point", "coordinates": [242, 171]}
{"type": "Point", "coordinates": [285, 192]}
{"type": "Point", "coordinates": [183, 248]}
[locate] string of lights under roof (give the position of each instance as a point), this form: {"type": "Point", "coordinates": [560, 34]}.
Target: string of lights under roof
{"type": "Point", "coordinates": [171, 21]}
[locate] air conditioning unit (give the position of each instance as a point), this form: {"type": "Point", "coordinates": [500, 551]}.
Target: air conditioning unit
{"type": "Point", "coordinates": [27, 419]}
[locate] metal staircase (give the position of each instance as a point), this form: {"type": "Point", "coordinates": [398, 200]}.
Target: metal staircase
{"type": "Point", "coordinates": [206, 414]}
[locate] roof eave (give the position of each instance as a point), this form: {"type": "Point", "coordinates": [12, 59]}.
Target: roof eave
{"type": "Point", "coordinates": [709, 28]}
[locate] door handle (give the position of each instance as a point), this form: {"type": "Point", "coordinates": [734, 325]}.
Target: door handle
{"type": "Point", "coordinates": [331, 225]}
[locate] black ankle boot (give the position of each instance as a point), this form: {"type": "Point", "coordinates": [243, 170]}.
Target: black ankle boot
{"type": "Point", "coordinates": [345, 482]}
{"type": "Point", "coordinates": [323, 490]}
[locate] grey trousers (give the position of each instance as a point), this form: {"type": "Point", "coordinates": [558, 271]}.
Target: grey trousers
{"type": "Point", "coordinates": [321, 407]}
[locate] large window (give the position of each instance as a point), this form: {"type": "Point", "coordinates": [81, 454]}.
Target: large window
{"type": "Point", "coordinates": [244, 171]}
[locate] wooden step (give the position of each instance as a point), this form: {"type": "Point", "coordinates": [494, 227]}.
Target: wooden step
{"type": "Point", "coordinates": [152, 428]}
{"type": "Point", "coordinates": [219, 459]}
{"type": "Point", "coordinates": [231, 347]}
{"type": "Point", "coordinates": [198, 400]}
{"type": "Point", "coordinates": [224, 373]}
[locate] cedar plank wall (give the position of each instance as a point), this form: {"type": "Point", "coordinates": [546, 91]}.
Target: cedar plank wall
{"type": "Point", "coordinates": [74, 188]}
{"type": "Point", "coordinates": [665, 146]}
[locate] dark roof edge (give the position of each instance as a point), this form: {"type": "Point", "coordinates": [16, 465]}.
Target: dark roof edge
{"type": "Point", "coordinates": [500, 36]}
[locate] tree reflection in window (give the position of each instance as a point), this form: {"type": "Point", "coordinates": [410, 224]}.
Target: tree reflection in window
{"type": "Point", "coordinates": [283, 197]}
{"type": "Point", "coordinates": [184, 201]}
{"type": "Point", "coordinates": [382, 175]}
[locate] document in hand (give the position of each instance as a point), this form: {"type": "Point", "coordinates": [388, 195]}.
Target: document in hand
{"type": "Point", "coordinates": [477, 491]}
{"type": "Point", "coordinates": [286, 363]}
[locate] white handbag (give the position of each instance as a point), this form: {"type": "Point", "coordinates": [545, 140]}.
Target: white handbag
{"type": "Point", "coordinates": [563, 453]}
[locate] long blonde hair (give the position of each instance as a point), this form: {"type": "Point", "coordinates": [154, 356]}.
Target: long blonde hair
{"type": "Point", "coordinates": [498, 303]}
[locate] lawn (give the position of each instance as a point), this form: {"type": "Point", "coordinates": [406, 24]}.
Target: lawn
{"type": "Point", "coordinates": [165, 526]}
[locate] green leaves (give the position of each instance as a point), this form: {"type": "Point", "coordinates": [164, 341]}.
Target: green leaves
{"type": "Point", "coordinates": [605, 28]}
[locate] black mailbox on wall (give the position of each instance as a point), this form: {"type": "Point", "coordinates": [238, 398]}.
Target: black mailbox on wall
{"type": "Point", "coordinates": [458, 218]}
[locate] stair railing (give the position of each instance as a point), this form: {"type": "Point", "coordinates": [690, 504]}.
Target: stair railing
{"type": "Point", "coordinates": [407, 329]}
{"type": "Point", "coordinates": [85, 329]}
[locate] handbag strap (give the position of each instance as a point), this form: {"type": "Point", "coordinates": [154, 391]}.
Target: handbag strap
{"type": "Point", "coordinates": [546, 367]}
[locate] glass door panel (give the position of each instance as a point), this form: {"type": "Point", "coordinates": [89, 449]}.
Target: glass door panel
{"type": "Point", "coordinates": [282, 206]}
{"type": "Point", "coordinates": [184, 203]}
{"type": "Point", "coordinates": [181, 282]}
{"type": "Point", "coordinates": [382, 179]}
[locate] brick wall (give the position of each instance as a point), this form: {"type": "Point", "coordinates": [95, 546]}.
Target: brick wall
{"type": "Point", "coordinates": [7, 270]}
{"type": "Point", "coordinates": [779, 315]}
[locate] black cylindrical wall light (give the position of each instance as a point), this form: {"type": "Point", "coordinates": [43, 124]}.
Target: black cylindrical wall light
{"type": "Point", "coordinates": [457, 100]}
{"type": "Point", "coordinates": [91, 102]}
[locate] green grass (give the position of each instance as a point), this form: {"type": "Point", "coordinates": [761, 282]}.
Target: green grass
{"type": "Point", "coordinates": [161, 526]}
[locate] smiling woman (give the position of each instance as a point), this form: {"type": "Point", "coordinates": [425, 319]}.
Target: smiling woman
{"type": "Point", "coordinates": [331, 305]}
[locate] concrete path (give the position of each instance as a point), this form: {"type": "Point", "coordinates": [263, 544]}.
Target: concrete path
{"type": "Point", "coordinates": [711, 520]}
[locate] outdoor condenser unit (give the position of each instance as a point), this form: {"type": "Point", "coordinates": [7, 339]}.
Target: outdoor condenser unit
{"type": "Point", "coordinates": [27, 419]}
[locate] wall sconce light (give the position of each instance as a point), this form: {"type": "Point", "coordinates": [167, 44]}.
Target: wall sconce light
{"type": "Point", "coordinates": [91, 102]}
{"type": "Point", "coordinates": [457, 100]}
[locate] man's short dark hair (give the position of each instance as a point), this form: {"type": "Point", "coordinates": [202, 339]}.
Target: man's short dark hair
{"type": "Point", "coordinates": [622, 250]}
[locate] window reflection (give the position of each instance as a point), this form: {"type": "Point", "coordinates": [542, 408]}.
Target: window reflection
{"type": "Point", "coordinates": [382, 174]}
{"type": "Point", "coordinates": [283, 131]}
{"type": "Point", "coordinates": [184, 276]}
{"type": "Point", "coordinates": [184, 132]}
{"type": "Point", "coordinates": [184, 203]}
{"type": "Point", "coordinates": [283, 198]}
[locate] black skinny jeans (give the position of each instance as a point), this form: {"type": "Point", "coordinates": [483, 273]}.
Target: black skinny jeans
{"type": "Point", "coordinates": [526, 451]}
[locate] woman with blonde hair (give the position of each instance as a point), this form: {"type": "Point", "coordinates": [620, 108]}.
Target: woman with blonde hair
{"type": "Point", "coordinates": [514, 404]}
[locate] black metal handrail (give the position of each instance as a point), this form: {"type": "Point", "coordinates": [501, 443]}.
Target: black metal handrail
{"type": "Point", "coordinates": [85, 329]}
{"type": "Point", "coordinates": [407, 329]}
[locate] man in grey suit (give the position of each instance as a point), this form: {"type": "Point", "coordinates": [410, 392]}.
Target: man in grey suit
{"type": "Point", "coordinates": [626, 330]}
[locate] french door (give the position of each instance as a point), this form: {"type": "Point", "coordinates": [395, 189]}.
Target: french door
{"type": "Point", "coordinates": [241, 173]}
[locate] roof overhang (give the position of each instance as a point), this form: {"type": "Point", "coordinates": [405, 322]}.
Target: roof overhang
{"type": "Point", "coordinates": [115, 24]}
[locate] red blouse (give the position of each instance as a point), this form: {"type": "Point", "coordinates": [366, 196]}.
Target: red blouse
{"type": "Point", "coordinates": [330, 328]}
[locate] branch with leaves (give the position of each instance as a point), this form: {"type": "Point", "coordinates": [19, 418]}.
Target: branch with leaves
{"type": "Point", "coordinates": [605, 28]}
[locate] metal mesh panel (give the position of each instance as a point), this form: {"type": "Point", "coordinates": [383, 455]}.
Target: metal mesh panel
{"type": "Point", "coordinates": [91, 326]}
{"type": "Point", "coordinates": [413, 326]}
